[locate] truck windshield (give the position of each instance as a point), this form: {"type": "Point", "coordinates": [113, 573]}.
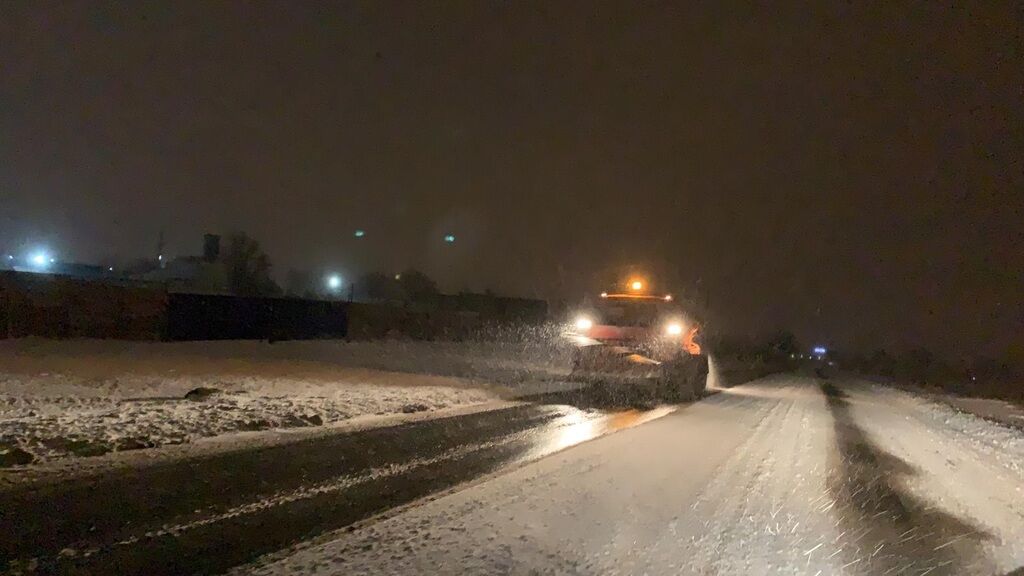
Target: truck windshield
{"type": "Point", "coordinates": [631, 312]}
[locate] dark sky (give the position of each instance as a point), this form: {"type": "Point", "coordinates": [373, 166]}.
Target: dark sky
{"type": "Point", "coordinates": [851, 171]}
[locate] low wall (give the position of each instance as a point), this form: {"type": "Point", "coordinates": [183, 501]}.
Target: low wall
{"type": "Point", "coordinates": [225, 317]}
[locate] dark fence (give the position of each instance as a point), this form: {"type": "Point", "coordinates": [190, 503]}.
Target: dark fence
{"type": "Point", "coordinates": [55, 306]}
{"type": "Point", "coordinates": [62, 307]}
{"type": "Point", "coordinates": [372, 321]}
{"type": "Point", "coordinates": [223, 317]}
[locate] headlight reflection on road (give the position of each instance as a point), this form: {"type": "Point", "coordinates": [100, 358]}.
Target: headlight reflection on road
{"type": "Point", "coordinates": [577, 426]}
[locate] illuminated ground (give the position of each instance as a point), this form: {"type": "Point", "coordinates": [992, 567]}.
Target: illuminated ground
{"type": "Point", "coordinates": [209, 513]}
{"type": "Point", "coordinates": [786, 475]}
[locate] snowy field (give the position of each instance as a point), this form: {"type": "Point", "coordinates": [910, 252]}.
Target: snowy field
{"type": "Point", "coordinates": [89, 397]}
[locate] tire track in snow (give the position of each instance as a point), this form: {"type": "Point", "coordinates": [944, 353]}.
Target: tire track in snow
{"type": "Point", "coordinates": [764, 509]}
{"type": "Point", "coordinates": [886, 528]}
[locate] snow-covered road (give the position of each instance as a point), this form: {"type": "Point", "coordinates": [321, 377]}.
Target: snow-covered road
{"type": "Point", "coordinates": [788, 474]}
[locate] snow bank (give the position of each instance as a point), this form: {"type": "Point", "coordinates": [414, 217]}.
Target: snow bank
{"type": "Point", "coordinates": [991, 409]}
{"type": "Point", "coordinates": [1000, 411]}
{"type": "Point", "coordinates": [88, 397]}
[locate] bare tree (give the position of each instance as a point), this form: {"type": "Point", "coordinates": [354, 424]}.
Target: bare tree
{"type": "Point", "coordinates": [248, 268]}
{"type": "Point", "coordinates": [300, 283]}
{"type": "Point", "coordinates": [417, 286]}
{"type": "Point", "coordinates": [378, 287]}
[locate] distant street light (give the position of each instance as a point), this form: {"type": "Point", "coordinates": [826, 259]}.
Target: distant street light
{"type": "Point", "coordinates": [334, 282]}
{"type": "Point", "coordinates": [449, 238]}
{"type": "Point", "coordinates": [360, 233]}
{"type": "Point", "coordinates": [40, 260]}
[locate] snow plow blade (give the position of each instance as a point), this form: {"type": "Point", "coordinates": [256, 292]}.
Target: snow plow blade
{"type": "Point", "coordinates": [629, 375]}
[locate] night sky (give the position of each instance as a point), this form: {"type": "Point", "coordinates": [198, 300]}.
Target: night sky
{"type": "Point", "coordinates": [852, 172]}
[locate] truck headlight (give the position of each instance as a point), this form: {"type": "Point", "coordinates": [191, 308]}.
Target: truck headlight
{"type": "Point", "coordinates": [584, 323]}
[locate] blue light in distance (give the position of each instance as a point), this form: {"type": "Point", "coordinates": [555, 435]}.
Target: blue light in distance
{"type": "Point", "coordinates": [820, 350]}
{"type": "Point", "coordinates": [449, 238]}
{"type": "Point", "coordinates": [334, 281]}
{"type": "Point", "coordinates": [360, 233]}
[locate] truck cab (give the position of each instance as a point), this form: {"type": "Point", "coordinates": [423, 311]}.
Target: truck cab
{"type": "Point", "coordinates": [642, 344]}
{"type": "Point", "coordinates": [652, 323]}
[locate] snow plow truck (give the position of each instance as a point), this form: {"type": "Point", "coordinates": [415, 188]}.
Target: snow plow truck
{"type": "Point", "coordinates": [639, 346]}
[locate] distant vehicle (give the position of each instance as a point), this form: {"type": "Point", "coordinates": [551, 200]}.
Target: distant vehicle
{"type": "Point", "coordinates": [640, 344]}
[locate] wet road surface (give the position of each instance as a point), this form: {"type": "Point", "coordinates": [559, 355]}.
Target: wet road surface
{"type": "Point", "coordinates": [208, 514]}
{"type": "Point", "coordinates": [786, 475]}
{"type": "Point", "coordinates": [789, 474]}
